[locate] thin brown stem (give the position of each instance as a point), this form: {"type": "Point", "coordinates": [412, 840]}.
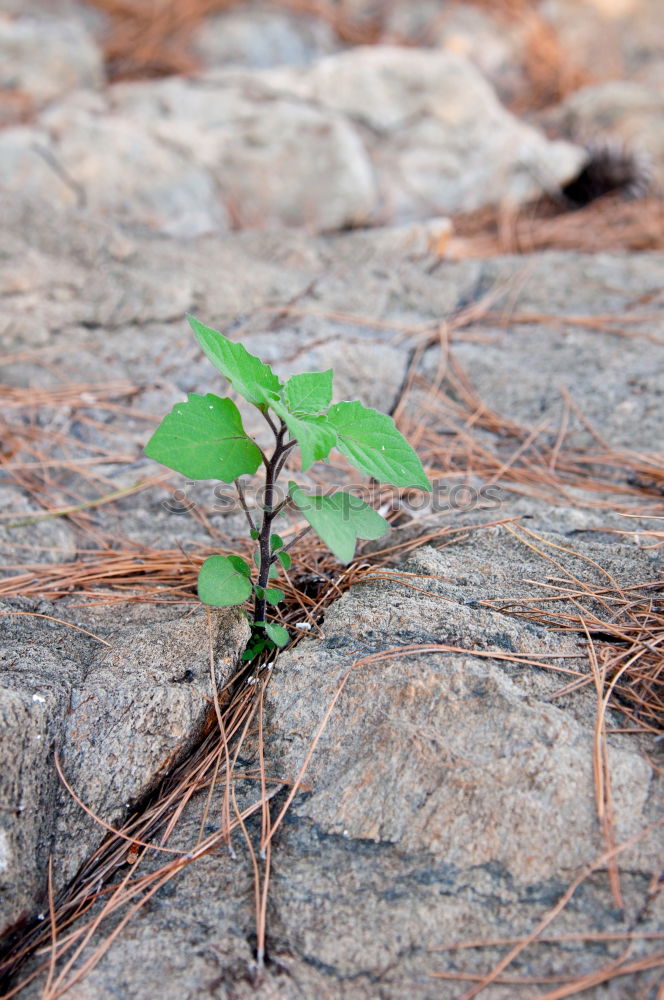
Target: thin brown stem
{"type": "Point", "coordinates": [243, 503]}
{"type": "Point", "coordinates": [293, 541]}
{"type": "Point", "coordinates": [269, 514]}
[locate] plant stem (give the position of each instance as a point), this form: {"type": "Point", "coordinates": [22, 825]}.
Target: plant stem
{"type": "Point", "coordinates": [284, 456]}
{"type": "Point", "coordinates": [272, 467]}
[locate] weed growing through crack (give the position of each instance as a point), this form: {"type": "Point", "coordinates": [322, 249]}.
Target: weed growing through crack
{"type": "Point", "coordinates": [204, 438]}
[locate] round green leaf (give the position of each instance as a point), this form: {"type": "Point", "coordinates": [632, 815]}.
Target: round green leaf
{"type": "Point", "coordinates": [220, 584]}
{"type": "Point", "coordinates": [204, 439]}
{"type": "Point", "coordinates": [273, 595]}
{"type": "Point", "coordinates": [278, 634]}
{"type": "Point", "coordinates": [240, 565]}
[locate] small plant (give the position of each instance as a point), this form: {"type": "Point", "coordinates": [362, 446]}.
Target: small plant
{"type": "Point", "coordinates": [204, 439]}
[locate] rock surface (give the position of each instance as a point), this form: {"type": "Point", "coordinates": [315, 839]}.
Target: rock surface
{"type": "Point", "coordinates": [260, 37]}
{"type": "Point", "coordinates": [451, 797]}
{"type": "Point", "coordinates": [452, 793]}
{"type": "Point", "coordinates": [41, 70]}
{"type": "Point", "coordinates": [368, 135]}
{"type": "Point", "coordinates": [444, 142]}
{"type": "Point", "coordinates": [624, 112]}
{"type": "Point", "coordinates": [118, 719]}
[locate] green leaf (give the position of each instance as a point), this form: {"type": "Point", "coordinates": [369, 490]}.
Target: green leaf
{"type": "Point", "coordinates": [273, 595]}
{"type": "Point", "coordinates": [339, 520]}
{"type": "Point", "coordinates": [204, 439]}
{"type": "Point", "coordinates": [220, 584]}
{"type": "Point", "coordinates": [315, 437]}
{"type": "Point", "coordinates": [284, 559]}
{"type": "Point", "coordinates": [254, 533]}
{"type": "Point", "coordinates": [276, 542]}
{"type": "Point", "coordinates": [372, 443]}
{"type": "Point", "coordinates": [246, 373]}
{"type": "Point", "coordinates": [259, 591]}
{"type": "Point", "coordinates": [309, 393]}
{"type": "Point", "coordinates": [278, 634]}
{"type": "Point", "coordinates": [240, 565]}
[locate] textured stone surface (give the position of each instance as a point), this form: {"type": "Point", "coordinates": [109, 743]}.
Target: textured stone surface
{"type": "Point", "coordinates": [118, 719]}
{"type": "Point", "coordinates": [365, 136]}
{"type": "Point", "coordinates": [108, 308]}
{"type": "Point", "coordinates": [443, 142]}
{"type": "Point", "coordinates": [609, 383]}
{"type": "Point", "coordinates": [40, 665]}
{"type": "Point", "coordinates": [451, 797]}
{"type": "Point", "coordinates": [42, 58]}
{"type": "Point", "coordinates": [492, 724]}
{"type": "Point", "coordinates": [620, 111]}
{"type": "Point", "coordinates": [260, 37]}
{"type": "Point", "coordinates": [597, 39]}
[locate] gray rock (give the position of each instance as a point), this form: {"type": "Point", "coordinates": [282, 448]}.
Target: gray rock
{"type": "Point", "coordinates": [440, 140]}
{"type": "Point", "coordinates": [356, 302]}
{"type": "Point", "coordinates": [26, 536]}
{"type": "Point", "coordinates": [620, 396]}
{"type": "Point", "coordinates": [364, 136]}
{"type": "Point", "coordinates": [118, 720]}
{"type": "Point", "coordinates": [259, 37]}
{"type": "Point", "coordinates": [43, 58]}
{"type": "Point", "coordinates": [31, 171]}
{"type": "Point", "coordinates": [40, 664]}
{"type": "Point", "coordinates": [296, 166]}
{"type": "Point", "coordinates": [130, 176]}
{"type": "Point", "coordinates": [451, 795]}
{"type": "Point", "coordinates": [489, 727]}
{"type": "Point", "coordinates": [450, 798]}
{"type": "Point", "coordinates": [624, 112]}
{"type": "Point", "coordinates": [276, 160]}
{"type": "Point", "coordinates": [141, 708]}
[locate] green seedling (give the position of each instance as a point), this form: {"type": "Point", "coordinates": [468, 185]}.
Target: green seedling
{"type": "Point", "coordinates": [204, 438]}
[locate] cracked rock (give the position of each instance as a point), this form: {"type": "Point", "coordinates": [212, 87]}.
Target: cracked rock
{"type": "Point", "coordinates": [119, 716]}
